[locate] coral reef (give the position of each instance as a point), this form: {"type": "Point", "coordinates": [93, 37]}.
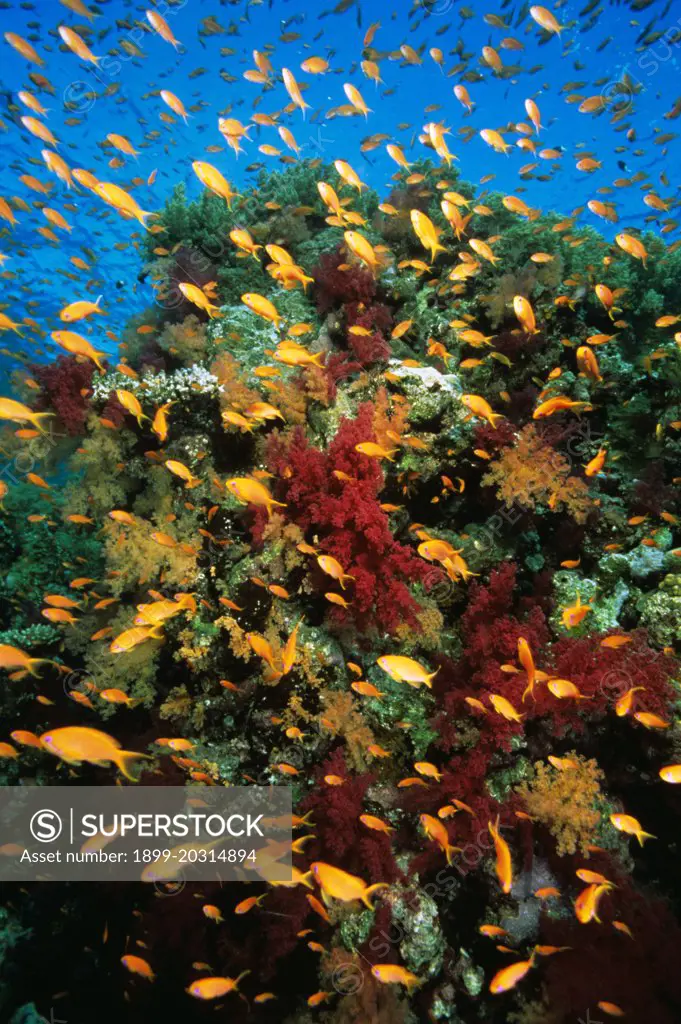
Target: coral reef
{"type": "Point", "coordinates": [405, 558]}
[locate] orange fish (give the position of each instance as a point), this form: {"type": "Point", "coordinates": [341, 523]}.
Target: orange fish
{"type": "Point", "coordinates": [504, 867]}
{"type": "Point", "coordinates": [574, 614]}
{"type": "Point", "coordinates": [508, 977]}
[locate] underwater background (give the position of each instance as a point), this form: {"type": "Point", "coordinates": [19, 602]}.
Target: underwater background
{"type": "Point", "coordinates": [341, 450]}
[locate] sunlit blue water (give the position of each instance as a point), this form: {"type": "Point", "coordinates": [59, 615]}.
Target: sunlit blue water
{"type": "Point", "coordinates": [598, 55]}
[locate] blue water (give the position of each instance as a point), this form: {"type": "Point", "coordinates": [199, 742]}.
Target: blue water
{"type": "Point", "coordinates": [35, 271]}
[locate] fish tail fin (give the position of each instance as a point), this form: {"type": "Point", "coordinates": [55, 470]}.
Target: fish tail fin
{"type": "Point", "coordinates": [496, 416]}
{"type": "Point", "coordinates": [36, 661]}
{"type": "Point", "coordinates": [125, 758]}
{"type": "Point", "coordinates": [142, 218]}
{"type": "Point", "coordinates": [370, 890]}
{"type": "Point", "coordinates": [449, 851]}
{"type": "Point", "coordinates": [429, 678]}
{"type": "Point", "coordinates": [306, 879]}
{"type": "Point", "coordinates": [240, 976]}
{"type": "Point", "coordinates": [40, 416]}
{"type": "Point", "coordinates": [270, 505]}
{"type": "Point", "coordinates": [642, 836]}
{"type": "Point", "coordinates": [319, 356]}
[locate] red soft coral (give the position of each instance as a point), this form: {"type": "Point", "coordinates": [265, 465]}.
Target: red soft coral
{"type": "Point", "coordinates": [63, 383]}
{"type": "Point", "coordinates": [334, 287]}
{"type": "Point", "coordinates": [369, 348]}
{"type": "Point", "coordinates": [490, 633]}
{"type": "Point", "coordinates": [345, 514]}
{"type": "Point", "coordinates": [114, 411]}
{"type": "Point", "coordinates": [641, 977]}
{"type": "Point", "coordinates": [340, 837]}
{"type": "Point", "coordinates": [605, 675]}
{"type": "Point", "coordinates": [601, 674]}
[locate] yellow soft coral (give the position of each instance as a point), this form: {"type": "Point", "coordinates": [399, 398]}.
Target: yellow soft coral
{"type": "Point", "coordinates": [137, 558]}
{"type": "Point", "coordinates": [566, 801]}
{"type": "Point", "coordinates": [533, 473]}
{"type": "Point", "coordinates": [289, 398]}
{"type": "Point", "coordinates": [235, 394]}
{"type": "Point", "coordinates": [238, 643]}
{"type": "Point", "coordinates": [316, 384]}
{"type": "Point", "coordinates": [186, 340]}
{"type": "Point", "coordinates": [296, 713]}
{"type": "Point", "coordinates": [428, 635]}
{"type": "Point", "coordinates": [280, 540]}
{"type": "Point", "coordinates": [341, 716]}
{"type": "Point", "coordinates": [100, 485]}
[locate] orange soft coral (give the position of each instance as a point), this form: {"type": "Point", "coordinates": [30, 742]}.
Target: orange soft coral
{"type": "Point", "coordinates": [532, 473]}
{"type": "Point", "coordinates": [390, 417]}
{"type": "Point", "coordinates": [566, 801]}
{"type": "Point", "coordinates": [235, 394]}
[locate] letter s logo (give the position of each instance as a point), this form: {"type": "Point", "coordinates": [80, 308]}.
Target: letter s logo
{"type": "Point", "coordinates": [46, 826]}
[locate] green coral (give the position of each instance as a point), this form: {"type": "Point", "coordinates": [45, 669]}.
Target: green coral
{"type": "Point", "coordinates": [661, 611]}
{"type": "Point", "coordinates": [41, 558]}
{"type": "Point", "coordinates": [605, 606]}
{"type": "Point", "coordinates": [416, 917]}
